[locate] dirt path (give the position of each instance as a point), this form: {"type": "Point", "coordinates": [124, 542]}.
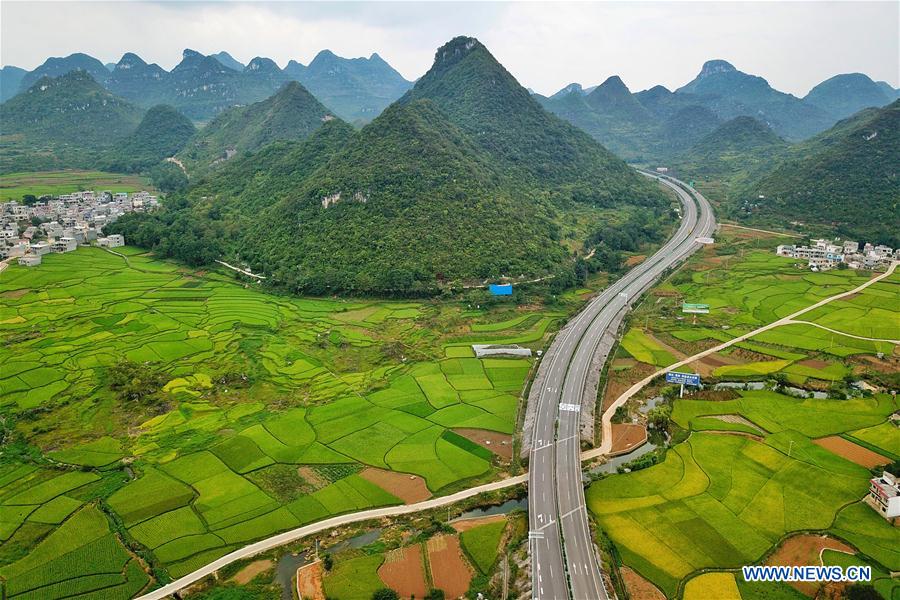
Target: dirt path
{"type": "Point", "coordinates": [849, 335]}
{"type": "Point", "coordinates": [776, 233]}
{"type": "Point", "coordinates": [606, 440]}
{"type": "Point", "coordinates": [239, 270]}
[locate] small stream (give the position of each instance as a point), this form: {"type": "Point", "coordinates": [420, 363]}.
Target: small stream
{"type": "Point", "coordinates": [613, 464]}
{"type": "Point", "coordinates": [289, 563]}
{"type": "Point", "coordinates": [497, 509]}
{"type": "Point", "coordinates": [286, 569]}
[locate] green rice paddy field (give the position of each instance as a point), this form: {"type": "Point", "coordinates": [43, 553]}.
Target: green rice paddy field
{"type": "Point", "coordinates": [13, 186]}
{"type": "Point", "coordinates": [245, 388]}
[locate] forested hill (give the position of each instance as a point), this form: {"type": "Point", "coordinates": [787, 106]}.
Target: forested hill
{"type": "Point", "coordinates": [734, 150]}
{"type": "Point", "coordinates": [416, 198]}
{"type": "Point", "coordinates": [291, 114]}
{"type": "Point", "coordinates": [67, 121]}
{"type": "Point", "coordinates": [846, 179]}
{"type": "Point", "coordinates": [481, 97]}
{"type": "Point", "coordinates": [162, 132]}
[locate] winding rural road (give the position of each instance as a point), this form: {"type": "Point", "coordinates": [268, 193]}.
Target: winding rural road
{"type": "Point", "coordinates": [564, 563]}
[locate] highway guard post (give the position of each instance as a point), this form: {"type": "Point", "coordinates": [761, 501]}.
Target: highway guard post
{"type": "Point", "coordinates": [683, 379]}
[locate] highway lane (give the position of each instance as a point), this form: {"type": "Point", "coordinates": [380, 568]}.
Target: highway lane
{"type": "Point", "coordinates": [564, 563]}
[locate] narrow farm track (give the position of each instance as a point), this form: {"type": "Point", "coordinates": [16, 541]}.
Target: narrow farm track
{"type": "Point", "coordinates": [850, 335]}
{"type": "Point", "coordinates": [606, 443]}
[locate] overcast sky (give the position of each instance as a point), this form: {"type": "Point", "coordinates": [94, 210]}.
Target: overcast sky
{"type": "Point", "coordinates": [545, 45]}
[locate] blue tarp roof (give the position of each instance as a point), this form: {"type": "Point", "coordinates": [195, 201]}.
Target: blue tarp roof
{"type": "Point", "coordinates": [501, 289]}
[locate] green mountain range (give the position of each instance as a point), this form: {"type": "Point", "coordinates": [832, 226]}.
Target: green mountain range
{"type": "Point", "coordinates": [735, 150]}
{"type": "Point", "coordinates": [63, 122]}
{"type": "Point", "coordinates": [844, 95]}
{"type": "Point", "coordinates": [657, 124]}
{"type": "Point", "coordinates": [357, 89]}
{"type": "Point", "coordinates": [291, 114]}
{"type": "Point", "coordinates": [731, 93]}
{"type": "Point", "coordinates": [58, 65]}
{"type": "Point", "coordinates": [162, 132]}
{"type": "Point", "coordinates": [846, 180]}
{"type": "Point", "coordinates": [10, 80]}
{"type": "Point", "coordinates": [466, 178]}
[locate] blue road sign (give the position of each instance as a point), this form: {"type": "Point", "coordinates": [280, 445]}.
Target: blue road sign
{"type": "Point", "coordinates": [682, 378]}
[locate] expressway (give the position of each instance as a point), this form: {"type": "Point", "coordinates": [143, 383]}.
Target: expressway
{"type": "Point", "coordinates": [563, 561]}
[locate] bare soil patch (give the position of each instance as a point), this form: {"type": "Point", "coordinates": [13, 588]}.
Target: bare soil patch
{"type": "Point", "coordinates": [466, 524]}
{"type": "Point", "coordinates": [310, 475]}
{"type": "Point", "coordinates": [666, 346]}
{"type": "Point", "coordinates": [246, 575]}
{"type": "Point", "coordinates": [449, 570]}
{"type": "Point", "coordinates": [404, 571]}
{"type": "Point", "coordinates": [709, 363]}
{"type": "Point", "coordinates": [638, 587]}
{"type": "Point", "coordinates": [752, 234]}
{"type": "Point", "coordinates": [815, 363]}
{"type": "Point", "coordinates": [619, 381]}
{"type": "Point", "coordinates": [852, 452]}
{"type": "Point", "coordinates": [806, 550]}
{"type": "Point", "coordinates": [15, 293]}
{"type": "Point", "coordinates": [498, 443]}
{"type": "Point", "coordinates": [409, 488]}
{"type": "Point", "coordinates": [635, 260]}
{"type": "Point", "coordinates": [626, 437]}
{"type": "Point", "coordinates": [624, 362]}
{"type": "Point", "coordinates": [309, 582]}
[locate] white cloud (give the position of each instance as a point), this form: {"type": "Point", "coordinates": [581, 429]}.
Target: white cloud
{"type": "Point", "coordinates": [545, 45]}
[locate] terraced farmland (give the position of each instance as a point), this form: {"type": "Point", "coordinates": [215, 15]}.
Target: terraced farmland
{"type": "Point", "coordinates": [721, 501]}
{"type": "Point", "coordinates": [241, 414]}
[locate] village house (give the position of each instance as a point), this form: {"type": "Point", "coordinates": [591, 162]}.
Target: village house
{"type": "Point", "coordinates": [64, 244]}
{"type": "Point", "coordinates": [30, 260]}
{"type": "Point", "coordinates": [884, 495]}
{"type": "Point", "coordinates": [822, 255]}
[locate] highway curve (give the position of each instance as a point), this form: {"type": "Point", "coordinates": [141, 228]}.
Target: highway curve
{"type": "Point", "coordinates": [563, 561]}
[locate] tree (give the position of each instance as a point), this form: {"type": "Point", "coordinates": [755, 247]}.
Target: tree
{"type": "Point", "coordinates": [385, 594]}
{"type": "Point", "coordinates": [328, 562]}
{"type": "Point", "coordinates": [435, 594]}
{"type": "Point", "coordinates": [659, 417]}
{"type": "Point", "coordinates": [138, 383]}
{"type": "Point", "coordinates": [861, 591]}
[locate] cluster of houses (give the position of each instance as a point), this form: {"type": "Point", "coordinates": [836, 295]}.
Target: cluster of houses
{"type": "Point", "coordinates": [822, 255]}
{"type": "Point", "coordinates": [62, 223]}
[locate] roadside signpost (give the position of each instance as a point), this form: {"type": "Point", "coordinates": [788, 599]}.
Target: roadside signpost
{"type": "Point", "coordinates": [683, 379]}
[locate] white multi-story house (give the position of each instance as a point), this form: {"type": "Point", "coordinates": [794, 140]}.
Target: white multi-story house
{"type": "Point", "coordinates": [884, 495]}
{"type": "Point", "coordinates": [64, 244]}
{"type": "Point", "coordinates": [39, 248]}
{"type": "Point", "coordinates": [30, 260]}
